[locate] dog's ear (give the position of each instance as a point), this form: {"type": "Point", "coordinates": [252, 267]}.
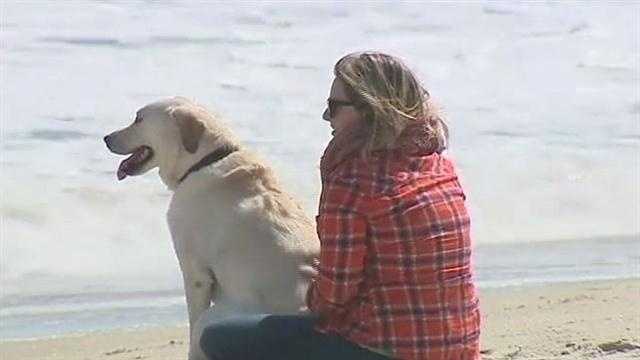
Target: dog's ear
{"type": "Point", "coordinates": [191, 128]}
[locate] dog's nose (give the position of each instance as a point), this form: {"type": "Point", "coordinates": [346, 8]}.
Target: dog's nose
{"type": "Point", "coordinates": [107, 140]}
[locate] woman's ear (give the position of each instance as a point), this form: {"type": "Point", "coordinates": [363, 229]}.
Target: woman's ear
{"type": "Point", "coordinates": [191, 128]}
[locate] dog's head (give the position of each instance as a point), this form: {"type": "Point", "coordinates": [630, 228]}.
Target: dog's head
{"type": "Point", "coordinates": [169, 134]}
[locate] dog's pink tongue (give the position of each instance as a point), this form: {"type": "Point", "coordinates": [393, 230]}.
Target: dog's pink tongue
{"type": "Point", "coordinates": [121, 174]}
{"type": "Point", "coordinates": [127, 165]}
{"type": "Point", "coordinates": [122, 169]}
{"type": "Point", "coordinates": [130, 165]}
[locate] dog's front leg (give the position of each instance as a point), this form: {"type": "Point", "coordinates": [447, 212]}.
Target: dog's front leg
{"type": "Point", "coordinates": [199, 286]}
{"type": "Point", "coordinates": [199, 289]}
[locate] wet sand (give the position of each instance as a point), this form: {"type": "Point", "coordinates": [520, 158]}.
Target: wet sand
{"type": "Point", "coordinates": [586, 320]}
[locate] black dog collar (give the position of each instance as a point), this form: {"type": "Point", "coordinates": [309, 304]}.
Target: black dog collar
{"type": "Point", "coordinates": [219, 154]}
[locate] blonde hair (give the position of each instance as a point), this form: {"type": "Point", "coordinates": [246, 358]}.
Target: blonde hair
{"type": "Point", "coordinates": [391, 98]}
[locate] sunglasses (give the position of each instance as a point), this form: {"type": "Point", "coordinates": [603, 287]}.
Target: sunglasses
{"type": "Point", "coordinates": [333, 105]}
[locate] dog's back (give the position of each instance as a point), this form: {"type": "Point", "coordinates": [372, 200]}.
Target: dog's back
{"type": "Point", "coordinates": [235, 220]}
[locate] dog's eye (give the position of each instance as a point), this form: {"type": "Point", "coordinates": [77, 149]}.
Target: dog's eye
{"type": "Point", "coordinates": [138, 119]}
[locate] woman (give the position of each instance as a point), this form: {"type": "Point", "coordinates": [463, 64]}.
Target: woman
{"type": "Point", "coordinates": [394, 275]}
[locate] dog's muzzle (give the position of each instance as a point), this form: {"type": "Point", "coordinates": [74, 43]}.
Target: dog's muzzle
{"type": "Point", "coordinates": [132, 164]}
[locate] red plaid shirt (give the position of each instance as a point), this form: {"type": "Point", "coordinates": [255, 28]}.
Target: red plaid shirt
{"type": "Point", "coordinates": [395, 262]}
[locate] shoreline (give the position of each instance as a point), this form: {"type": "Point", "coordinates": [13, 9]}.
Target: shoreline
{"type": "Point", "coordinates": [47, 313]}
{"type": "Point", "coordinates": [573, 320]}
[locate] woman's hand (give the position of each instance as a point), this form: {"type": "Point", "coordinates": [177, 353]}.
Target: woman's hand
{"type": "Point", "coordinates": [309, 271]}
{"type": "Point", "coordinates": [315, 263]}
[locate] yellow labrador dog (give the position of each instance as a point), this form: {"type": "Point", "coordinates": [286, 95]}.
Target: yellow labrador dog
{"type": "Point", "coordinates": [243, 244]}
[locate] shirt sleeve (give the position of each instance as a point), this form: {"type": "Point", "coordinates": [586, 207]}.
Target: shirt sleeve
{"type": "Point", "coordinates": [342, 232]}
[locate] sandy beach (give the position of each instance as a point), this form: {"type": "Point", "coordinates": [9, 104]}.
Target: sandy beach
{"type": "Point", "coordinates": [587, 320]}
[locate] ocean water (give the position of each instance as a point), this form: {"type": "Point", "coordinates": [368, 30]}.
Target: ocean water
{"type": "Point", "coordinates": [543, 101]}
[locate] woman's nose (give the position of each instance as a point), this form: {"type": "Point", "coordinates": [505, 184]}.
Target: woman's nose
{"type": "Point", "coordinates": [325, 115]}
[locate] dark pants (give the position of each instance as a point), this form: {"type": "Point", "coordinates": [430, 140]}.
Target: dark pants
{"type": "Point", "coordinates": [277, 337]}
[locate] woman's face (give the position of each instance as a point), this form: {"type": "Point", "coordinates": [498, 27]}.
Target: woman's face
{"type": "Point", "coordinates": [343, 115]}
